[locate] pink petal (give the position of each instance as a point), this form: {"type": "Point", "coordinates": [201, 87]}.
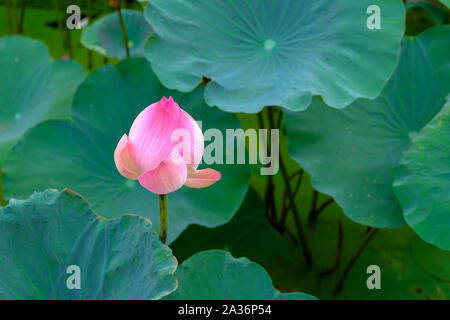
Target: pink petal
{"type": "Point", "coordinates": [167, 177]}
{"type": "Point", "coordinates": [124, 161]}
{"type": "Point", "coordinates": [194, 153]}
{"type": "Point", "coordinates": [151, 133]}
{"type": "Point", "coordinates": [202, 178]}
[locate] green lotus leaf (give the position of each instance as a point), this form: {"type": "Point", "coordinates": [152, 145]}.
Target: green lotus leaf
{"type": "Point", "coordinates": [422, 181]}
{"type": "Point", "coordinates": [351, 153]}
{"type": "Point", "coordinates": [44, 239]}
{"type": "Point", "coordinates": [273, 52]}
{"type": "Point", "coordinates": [33, 88]}
{"type": "Point", "coordinates": [216, 275]}
{"type": "Point", "coordinates": [79, 154]}
{"type": "Point", "coordinates": [105, 35]}
{"type": "Point", "coordinates": [432, 259]}
{"type": "Point", "coordinates": [401, 278]}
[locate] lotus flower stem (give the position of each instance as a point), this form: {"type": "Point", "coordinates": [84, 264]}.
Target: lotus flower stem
{"type": "Point", "coordinates": [291, 196]}
{"type": "Point", "coordinates": [312, 209]}
{"type": "Point", "coordinates": [337, 262]}
{"type": "Point", "coordinates": [296, 215]}
{"type": "Point", "coordinates": [22, 17]}
{"type": "Point", "coordinates": [14, 16]}
{"type": "Point", "coordinates": [285, 208]}
{"type": "Point", "coordinates": [62, 33]}
{"type": "Point", "coordinates": [2, 199]}
{"type": "Point", "coordinates": [315, 213]}
{"type": "Point", "coordinates": [269, 194]}
{"type": "Point", "coordinates": [271, 185]}
{"type": "Point", "coordinates": [89, 52]}
{"type": "Point", "coordinates": [124, 32]}
{"type": "Point", "coordinates": [9, 16]}
{"type": "Point", "coordinates": [163, 217]}
{"type": "Point", "coordinates": [369, 235]}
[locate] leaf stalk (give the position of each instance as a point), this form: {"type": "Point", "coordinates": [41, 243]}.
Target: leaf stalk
{"type": "Point", "coordinates": [163, 217]}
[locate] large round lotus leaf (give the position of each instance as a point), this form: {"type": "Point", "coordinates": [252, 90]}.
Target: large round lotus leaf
{"type": "Point", "coordinates": [44, 239]}
{"type": "Point", "coordinates": [105, 35]}
{"type": "Point", "coordinates": [272, 52]}
{"type": "Point", "coordinates": [422, 181]}
{"type": "Point", "coordinates": [216, 275]}
{"type": "Point", "coordinates": [446, 2]}
{"type": "Point", "coordinates": [33, 88]}
{"type": "Point", "coordinates": [79, 154]}
{"type": "Point", "coordinates": [351, 153]}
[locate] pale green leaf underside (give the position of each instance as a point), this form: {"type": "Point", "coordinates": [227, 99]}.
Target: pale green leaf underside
{"type": "Point", "coordinates": [42, 236]}
{"type": "Point", "coordinates": [271, 52]}
{"type": "Point", "coordinates": [79, 154]}
{"type": "Point", "coordinates": [351, 153]}
{"type": "Point", "coordinates": [105, 35]}
{"type": "Point", "coordinates": [217, 275]}
{"type": "Point", "coordinates": [33, 88]}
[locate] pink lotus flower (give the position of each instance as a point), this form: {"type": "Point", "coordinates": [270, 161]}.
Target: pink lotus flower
{"type": "Point", "coordinates": [152, 153]}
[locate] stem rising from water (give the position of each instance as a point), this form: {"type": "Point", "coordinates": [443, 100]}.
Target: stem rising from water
{"type": "Point", "coordinates": [163, 218]}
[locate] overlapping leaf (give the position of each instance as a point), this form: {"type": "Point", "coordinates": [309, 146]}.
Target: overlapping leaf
{"type": "Point", "coordinates": [302, 48]}
{"type": "Point", "coordinates": [351, 153]}
{"type": "Point", "coordinates": [105, 35]}
{"type": "Point", "coordinates": [33, 88]}
{"type": "Point", "coordinates": [410, 268]}
{"type": "Point", "coordinates": [432, 259]}
{"type": "Point", "coordinates": [79, 154]}
{"type": "Point", "coordinates": [41, 237]}
{"type": "Point", "coordinates": [422, 181]}
{"type": "Point", "coordinates": [216, 275]}
{"type": "Point", "coordinates": [437, 12]}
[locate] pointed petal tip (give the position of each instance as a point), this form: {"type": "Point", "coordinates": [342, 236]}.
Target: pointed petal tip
{"type": "Point", "coordinates": [169, 106]}
{"type": "Point", "coordinates": [167, 101]}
